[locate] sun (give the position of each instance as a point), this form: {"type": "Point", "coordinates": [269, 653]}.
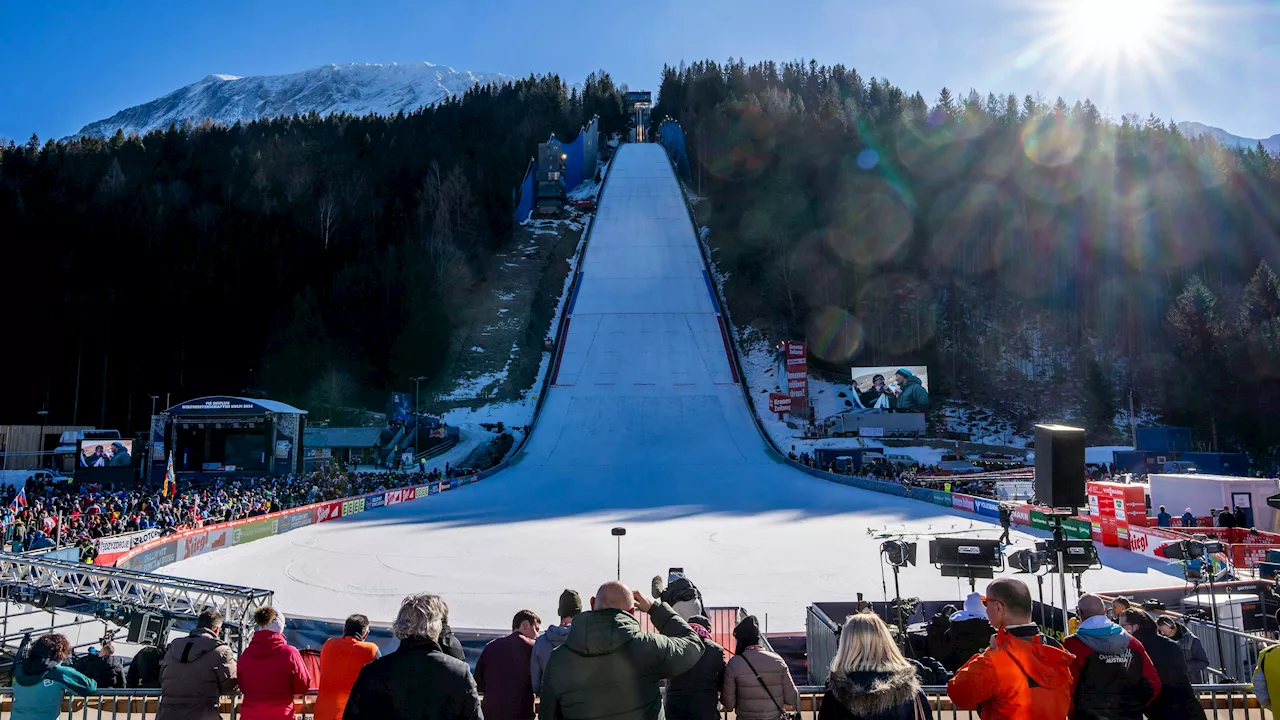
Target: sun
{"type": "Point", "coordinates": [1113, 38]}
{"type": "Point", "coordinates": [1115, 27]}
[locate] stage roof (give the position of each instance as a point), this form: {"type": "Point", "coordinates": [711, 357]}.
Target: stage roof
{"type": "Point", "coordinates": [224, 406]}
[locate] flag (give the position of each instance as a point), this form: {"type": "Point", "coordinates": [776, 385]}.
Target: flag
{"type": "Point", "coordinates": [170, 480]}
{"type": "Point", "coordinates": [20, 501]}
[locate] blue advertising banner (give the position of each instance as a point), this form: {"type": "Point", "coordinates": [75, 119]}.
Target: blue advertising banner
{"type": "Point", "coordinates": [375, 501]}
{"type": "Point", "coordinates": [990, 508]}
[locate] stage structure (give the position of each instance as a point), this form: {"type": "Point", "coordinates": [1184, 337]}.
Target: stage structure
{"type": "Point", "coordinates": [228, 437]}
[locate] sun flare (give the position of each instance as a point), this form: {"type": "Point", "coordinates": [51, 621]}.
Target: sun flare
{"type": "Point", "coordinates": [1116, 27]}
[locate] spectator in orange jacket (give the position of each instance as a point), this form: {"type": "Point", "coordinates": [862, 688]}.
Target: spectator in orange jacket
{"type": "Point", "coordinates": [340, 663]}
{"type": "Point", "coordinates": [1022, 675]}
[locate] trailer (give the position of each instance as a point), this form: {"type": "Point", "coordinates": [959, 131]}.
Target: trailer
{"type": "Point", "coordinates": [1202, 493]}
{"type": "Point", "coordinates": [862, 423]}
{"type": "Point", "coordinates": [845, 459]}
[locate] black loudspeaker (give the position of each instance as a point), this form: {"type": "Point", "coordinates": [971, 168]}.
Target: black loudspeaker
{"type": "Point", "coordinates": [1060, 466]}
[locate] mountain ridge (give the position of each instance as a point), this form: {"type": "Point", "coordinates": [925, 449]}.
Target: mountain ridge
{"type": "Point", "coordinates": [356, 88]}
{"type": "Point", "coordinates": [1195, 129]}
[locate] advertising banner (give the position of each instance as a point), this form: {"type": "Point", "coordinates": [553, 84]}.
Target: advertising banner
{"type": "Point", "coordinates": [328, 511]}
{"type": "Point", "coordinates": [941, 498]}
{"type": "Point", "coordinates": [1039, 520]}
{"type": "Point", "coordinates": [1076, 528]}
{"type": "Point", "coordinates": [377, 501]}
{"type": "Point", "coordinates": [155, 558]}
{"type": "Point", "coordinates": [124, 543]}
{"type": "Point", "coordinates": [446, 485]}
{"type": "Point", "coordinates": [394, 497]}
{"type": "Point", "coordinates": [191, 545]}
{"type": "Point", "coordinates": [294, 521]}
{"type": "Point", "coordinates": [983, 506]}
{"type": "Point", "coordinates": [797, 355]}
{"type": "Point", "coordinates": [1250, 555]}
{"type": "Point", "coordinates": [421, 491]}
{"type": "Point", "coordinates": [352, 506]}
{"type": "Point", "coordinates": [434, 489]}
{"type": "Point", "coordinates": [962, 502]}
{"type": "Point", "coordinates": [1021, 515]}
{"type": "Point", "coordinates": [249, 532]}
{"type": "Point", "coordinates": [779, 403]}
{"type": "Point", "coordinates": [1146, 540]}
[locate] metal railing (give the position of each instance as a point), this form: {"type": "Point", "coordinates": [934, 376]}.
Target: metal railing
{"type": "Point", "coordinates": [1221, 702]}
{"type": "Point", "coordinates": [1237, 656]}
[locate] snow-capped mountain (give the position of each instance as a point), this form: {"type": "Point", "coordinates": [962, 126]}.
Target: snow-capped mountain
{"type": "Point", "coordinates": [357, 88]}
{"type": "Point", "coordinates": [1195, 129]}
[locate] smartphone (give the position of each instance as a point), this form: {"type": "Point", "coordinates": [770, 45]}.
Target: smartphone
{"type": "Point", "coordinates": [674, 574]}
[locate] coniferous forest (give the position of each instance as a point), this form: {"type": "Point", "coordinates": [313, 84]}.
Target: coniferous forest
{"type": "Point", "coordinates": [1044, 260]}
{"type": "Point", "coordinates": [312, 260]}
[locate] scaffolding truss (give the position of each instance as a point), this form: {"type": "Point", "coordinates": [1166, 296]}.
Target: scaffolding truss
{"type": "Point", "coordinates": [116, 590]}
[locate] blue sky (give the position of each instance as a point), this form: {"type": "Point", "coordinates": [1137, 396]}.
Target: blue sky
{"type": "Point", "coordinates": [1215, 61]}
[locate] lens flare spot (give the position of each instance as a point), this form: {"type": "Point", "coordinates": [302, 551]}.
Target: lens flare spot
{"type": "Point", "coordinates": [868, 159]}
{"type": "Point", "coordinates": [870, 224]}
{"type": "Point", "coordinates": [836, 335]}
{"type": "Point", "coordinates": [1052, 141]}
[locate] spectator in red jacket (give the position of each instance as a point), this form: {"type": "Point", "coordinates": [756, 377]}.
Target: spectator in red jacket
{"type": "Point", "coordinates": [503, 673]}
{"type": "Point", "coordinates": [1114, 677]}
{"type": "Point", "coordinates": [271, 670]}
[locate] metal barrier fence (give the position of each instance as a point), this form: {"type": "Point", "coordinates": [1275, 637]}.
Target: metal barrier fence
{"type": "Point", "coordinates": [1237, 656]}
{"type": "Point", "coordinates": [822, 637]}
{"type": "Point", "coordinates": [1222, 702]}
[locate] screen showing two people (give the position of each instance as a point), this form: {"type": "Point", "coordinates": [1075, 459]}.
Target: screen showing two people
{"type": "Point", "coordinates": [106, 453]}
{"type": "Point", "coordinates": [896, 388]}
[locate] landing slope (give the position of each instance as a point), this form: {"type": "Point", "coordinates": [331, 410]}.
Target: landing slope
{"type": "Point", "coordinates": [644, 428]}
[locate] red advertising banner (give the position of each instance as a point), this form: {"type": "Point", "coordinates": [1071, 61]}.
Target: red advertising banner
{"type": "Point", "coordinates": [395, 497]}
{"type": "Point", "coordinates": [779, 403]}
{"type": "Point", "coordinates": [962, 502]}
{"type": "Point", "coordinates": [798, 371]}
{"type": "Point", "coordinates": [328, 511]}
{"type": "Point", "coordinates": [1021, 515]}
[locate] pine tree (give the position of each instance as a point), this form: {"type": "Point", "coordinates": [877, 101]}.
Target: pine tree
{"type": "Point", "coordinates": [946, 104]}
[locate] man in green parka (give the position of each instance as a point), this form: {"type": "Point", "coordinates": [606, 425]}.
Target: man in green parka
{"type": "Point", "coordinates": [913, 397]}
{"type": "Point", "coordinates": [608, 668]}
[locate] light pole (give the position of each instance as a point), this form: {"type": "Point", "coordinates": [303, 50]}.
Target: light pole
{"type": "Point", "coordinates": [416, 382]}
{"type": "Point", "coordinates": [154, 398]}
{"type": "Point", "coordinates": [618, 532]}
{"type": "Point", "coordinates": [44, 415]}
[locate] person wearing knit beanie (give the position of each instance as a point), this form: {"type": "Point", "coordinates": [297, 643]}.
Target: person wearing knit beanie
{"type": "Point", "coordinates": [570, 606]}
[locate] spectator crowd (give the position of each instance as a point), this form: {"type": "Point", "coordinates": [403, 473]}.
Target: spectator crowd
{"type": "Point", "coordinates": [1119, 663]}
{"type": "Point", "coordinates": [79, 514]}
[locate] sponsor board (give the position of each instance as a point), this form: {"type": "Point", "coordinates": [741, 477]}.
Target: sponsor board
{"type": "Point", "coordinates": [941, 498]}
{"type": "Point", "coordinates": [394, 497]}
{"type": "Point", "coordinates": [1076, 528]}
{"type": "Point", "coordinates": [377, 501]}
{"type": "Point", "coordinates": [192, 545]}
{"type": "Point", "coordinates": [446, 485]}
{"type": "Point", "coordinates": [155, 558]}
{"type": "Point", "coordinates": [293, 521]}
{"type": "Point", "coordinates": [328, 511]}
{"type": "Point", "coordinates": [990, 508]}
{"type": "Point", "coordinates": [421, 491]}
{"type": "Point", "coordinates": [434, 489]}
{"type": "Point", "coordinates": [1146, 540]}
{"type": "Point", "coordinates": [352, 506]}
{"type": "Point", "coordinates": [1039, 520]}
{"type": "Point", "coordinates": [1021, 515]}
{"type": "Point", "coordinates": [124, 543]}
{"type": "Point", "coordinates": [254, 531]}
{"type": "Point", "coordinates": [962, 502]}
{"type": "Point", "coordinates": [779, 403]}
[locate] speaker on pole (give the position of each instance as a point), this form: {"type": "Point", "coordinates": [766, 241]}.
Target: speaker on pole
{"type": "Point", "coordinates": [1060, 466]}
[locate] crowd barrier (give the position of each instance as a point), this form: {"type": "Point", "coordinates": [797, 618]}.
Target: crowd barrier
{"type": "Point", "coordinates": [1221, 702]}
{"type": "Point", "coordinates": [161, 551]}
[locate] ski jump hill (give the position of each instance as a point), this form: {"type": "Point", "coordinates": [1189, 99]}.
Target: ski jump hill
{"type": "Point", "coordinates": [645, 426]}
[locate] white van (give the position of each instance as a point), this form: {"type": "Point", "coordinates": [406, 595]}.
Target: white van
{"type": "Point", "coordinates": [19, 478]}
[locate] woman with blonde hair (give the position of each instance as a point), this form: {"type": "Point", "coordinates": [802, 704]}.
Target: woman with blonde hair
{"type": "Point", "coordinates": [870, 679]}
